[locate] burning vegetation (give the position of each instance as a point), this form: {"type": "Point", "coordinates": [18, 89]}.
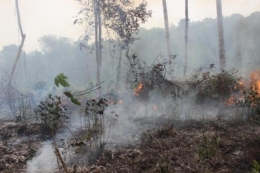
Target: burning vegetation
{"type": "Point", "coordinates": [255, 81]}
{"type": "Point", "coordinates": [157, 124]}
{"type": "Point", "coordinates": [214, 147]}
{"type": "Point", "coordinates": [138, 89]}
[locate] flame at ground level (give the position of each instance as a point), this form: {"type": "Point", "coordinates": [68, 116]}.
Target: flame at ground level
{"type": "Point", "coordinates": [138, 89]}
{"type": "Point", "coordinates": [253, 84]}
{"type": "Point", "coordinates": [255, 81]}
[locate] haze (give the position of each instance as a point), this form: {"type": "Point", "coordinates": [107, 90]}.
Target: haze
{"type": "Point", "coordinates": [55, 17]}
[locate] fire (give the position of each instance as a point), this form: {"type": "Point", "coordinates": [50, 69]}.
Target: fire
{"type": "Point", "coordinates": [253, 84]}
{"type": "Point", "coordinates": [138, 89]}
{"type": "Point", "coordinates": [120, 102]}
{"type": "Point", "coordinates": [239, 85]}
{"type": "Point", "coordinates": [255, 81]}
{"type": "Point", "coordinates": [155, 107]}
{"type": "Point", "coordinates": [230, 101]}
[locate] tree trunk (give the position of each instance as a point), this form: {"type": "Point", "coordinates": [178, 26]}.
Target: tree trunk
{"type": "Point", "coordinates": [119, 70]}
{"type": "Point", "coordinates": [186, 36]}
{"type": "Point", "coordinates": [98, 39]}
{"type": "Point", "coordinates": [21, 45]}
{"type": "Point", "coordinates": [167, 32]}
{"type": "Point", "coordinates": [99, 44]}
{"type": "Point", "coordinates": [222, 58]}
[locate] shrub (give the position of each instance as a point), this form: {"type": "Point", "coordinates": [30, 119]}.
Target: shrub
{"type": "Point", "coordinates": [208, 148]}
{"type": "Point", "coordinates": [94, 112]}
{"type": "Point", "coordinates": [215, 86]}
{"type": "Point", "coordinates": [51, 114]}
{"type": "Point", "coordinates": [144, 78]}
{"type": "Point", "coordinates": [252, 101]}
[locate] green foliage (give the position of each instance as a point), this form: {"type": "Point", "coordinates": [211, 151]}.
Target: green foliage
{"type": "Point", "coordinates": [94, 131]}
{"type": "Point", "coordinates": [60, 79]}
{"type": "Point", "coordinates": [75, 101]}
{"type": "Point", "coordinates": [208, 148]}
{"type": "Point", "coordinates": [164, 166]}
{"type": "Point", "coordinates": [252, 101]}
{"type": "Point", "coordinates": [94, 112]}
{"type": "Point", "coordinates": [256, 167]}
{"type": "Point", "coordinates": [214, 86]}
{"type": "Point", "coordinates": [151, 77]}
{"type": "Point", "coordinates": [68, 94]}
{"type": "Point", "coordinates": [51, 114]}
{"type": "Point", "coordinates": [123, 17]}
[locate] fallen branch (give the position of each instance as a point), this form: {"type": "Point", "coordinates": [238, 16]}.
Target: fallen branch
{"type": "Point", "coordinates": [57, 153]}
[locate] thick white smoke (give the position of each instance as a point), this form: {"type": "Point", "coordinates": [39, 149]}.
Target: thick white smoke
{"type": "Point", "coordinates": [44, 161]}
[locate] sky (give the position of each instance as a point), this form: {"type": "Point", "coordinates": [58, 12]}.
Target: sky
{"type": "Point", "coordinates": [55, 17]}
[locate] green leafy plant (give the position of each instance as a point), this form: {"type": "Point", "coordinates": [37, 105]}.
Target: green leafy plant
{"type": "Point", "coordinates": [151, 77]}
{"type": "Point", "coordinates": [95, 126]}
{"type": "Point", "coordinates": [61, 79]}
{"type": "Point", "coordinates": [214, 86]}
{"type": "Point", "coordinates": [94, 112]}
{"type": "Point", "coordinates": [252, 101]}
{"type": "Point", "coordinates": [256, 167]}
{"type": "Point", "coordinates": [51, 114]}
{"type": "Point", "coordinates": [208, 148]}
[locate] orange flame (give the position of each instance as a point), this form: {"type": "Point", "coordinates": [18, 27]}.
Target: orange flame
{"type": "Point", "coordinates": [254, 84]}
{"type": "Point", "coordinates": [138, 89]}
{"type": "Point", "coordinates": [120, 102]}
{"type": "Point", "coordinates": [255, 81]}
{"type": "Point", "coordinates": [230, 101]}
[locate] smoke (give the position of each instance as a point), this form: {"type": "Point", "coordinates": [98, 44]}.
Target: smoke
{"type": "Point", "coordinates": [124, 124]}
{"type": "Point", "coordinates": [44, 161]}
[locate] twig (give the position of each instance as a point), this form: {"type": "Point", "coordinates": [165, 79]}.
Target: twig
{"type": "Point", "coordinates": [57, 153]}
{"type": "Point", "coordinates": [89, 89]}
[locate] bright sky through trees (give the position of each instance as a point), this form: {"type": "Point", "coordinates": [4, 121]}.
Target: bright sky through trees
{"type": "Point", "coordinates": [44, 17]}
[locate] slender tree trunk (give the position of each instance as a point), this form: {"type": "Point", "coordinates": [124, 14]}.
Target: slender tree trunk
{"type": "Point", "coordinates": [96, 35]}
{"type": "Point", "coordinates": [222, 58]}
{"type": "Point", "coordinates": [119, 69]}
{"type": "Point", "coordinates": [21, 45]}
{"type": "Point", "coordinates": [186, 36]}
{"type": "Point", "coordinates": [98, 39]}
{"type": "Point", "coordinates": [10, 89]}
{"type": "Point", "coordinates": [99, 44]}
{"type": "Point", "coordinates": [166, 23]}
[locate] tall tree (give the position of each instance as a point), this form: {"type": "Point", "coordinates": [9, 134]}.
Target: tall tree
{"type": "Point", "coordinates": [222, 58]}
{"type": "Point", "coordinates": [120, 18]}
{"type": "Point", "coordinates": [21, 45]}
{"type": "Point", "coordinates": [186, 36]}
{"type": "Point", "coordinates": [98, 39]}
{"type": "Point", "coordinates": [166, 23]}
